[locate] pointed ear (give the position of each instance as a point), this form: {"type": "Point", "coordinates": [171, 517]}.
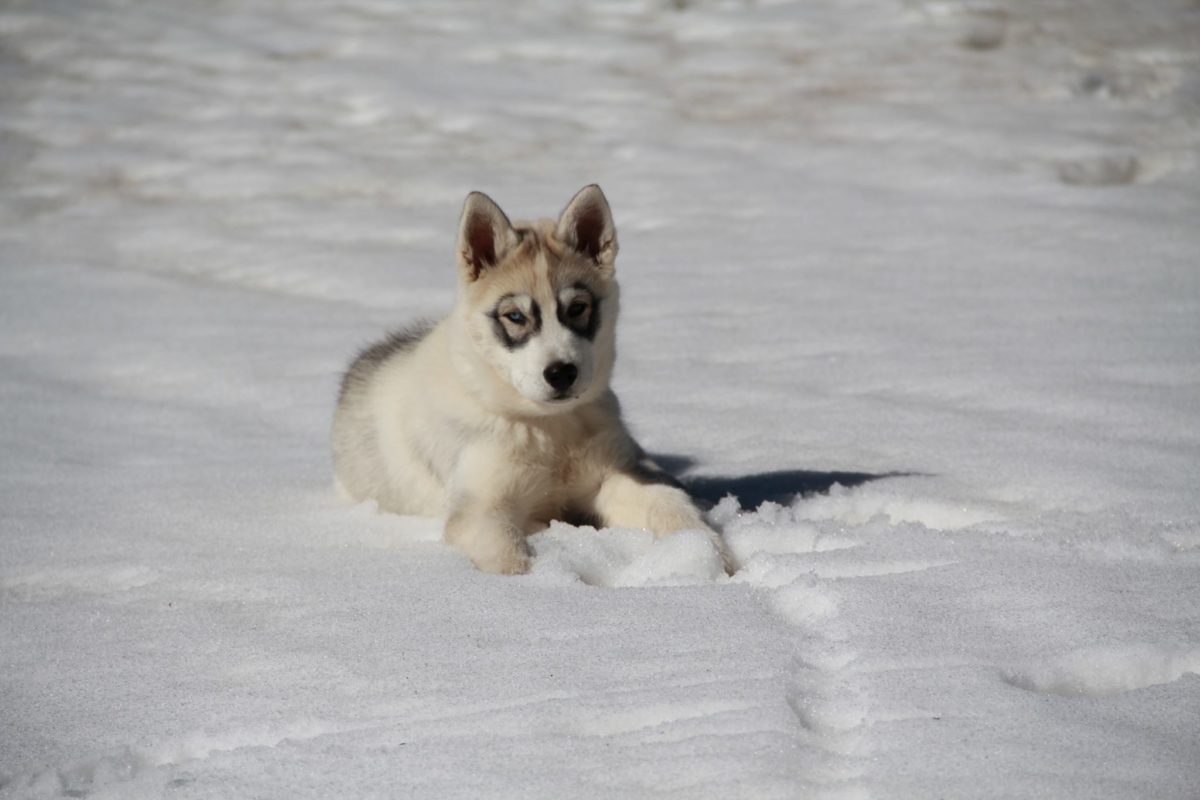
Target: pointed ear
{"type": "Point", "coordinates": [484, 235]}
{"type": "Point", "coordinates": [586, 225]}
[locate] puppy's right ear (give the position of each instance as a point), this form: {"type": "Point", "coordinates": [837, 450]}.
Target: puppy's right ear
{"type": "Point", "coordinates": [586, 225]}
{"type": "Point", "coordinates": [484, 235]}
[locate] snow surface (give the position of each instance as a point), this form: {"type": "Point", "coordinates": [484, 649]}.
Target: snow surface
{"type": "Point", "coordinates": [916, 281]}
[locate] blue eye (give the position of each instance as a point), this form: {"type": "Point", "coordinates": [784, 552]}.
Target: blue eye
{"type": "Point", "coordinates": [515, 317]}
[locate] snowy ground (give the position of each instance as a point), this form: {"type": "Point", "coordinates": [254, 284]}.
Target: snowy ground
{"type": "Point", "coordinates": [918, 281]}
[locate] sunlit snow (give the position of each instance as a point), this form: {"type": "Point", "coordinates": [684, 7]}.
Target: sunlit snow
{"type": "Point", "coordinates": [910, 296]}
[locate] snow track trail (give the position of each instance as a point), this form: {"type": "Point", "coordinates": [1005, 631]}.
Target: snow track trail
{"type": "Point", "coordinates": [909, 294]}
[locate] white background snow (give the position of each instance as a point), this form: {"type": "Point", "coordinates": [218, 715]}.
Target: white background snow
{"type": "Point", "coordinates": [934, 266]}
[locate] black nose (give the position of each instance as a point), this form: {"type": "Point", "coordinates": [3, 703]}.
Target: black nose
{"type": "Point", "coordinates": [561, 375]}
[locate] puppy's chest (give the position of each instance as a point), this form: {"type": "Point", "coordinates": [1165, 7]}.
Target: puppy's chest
{"type": "Point", "coordinates": [559, 462]}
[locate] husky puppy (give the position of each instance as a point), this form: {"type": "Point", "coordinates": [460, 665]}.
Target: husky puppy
{"type": "Point", "coordinates": [499, 418]}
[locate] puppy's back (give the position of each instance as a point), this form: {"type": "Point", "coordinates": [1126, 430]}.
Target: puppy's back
{"type": "Point", "coordinates": [369, 359]}
{"type": "Point", "coordinates": [358, 461]}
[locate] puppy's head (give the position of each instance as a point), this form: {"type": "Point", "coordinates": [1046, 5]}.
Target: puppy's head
{"type": "Point", "coordinates": [539, 300]}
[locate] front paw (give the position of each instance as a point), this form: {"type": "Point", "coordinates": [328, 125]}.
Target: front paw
{"type": "Point", "coordinates": [676, 512]}
{"type": "Point", "coordinates": [501, 555]}
{"type": "Point", "coordinates": [493, 543]}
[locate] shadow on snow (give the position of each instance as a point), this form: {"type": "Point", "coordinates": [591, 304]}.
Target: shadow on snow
{"type": "Point", "coordinates": [779, 486]}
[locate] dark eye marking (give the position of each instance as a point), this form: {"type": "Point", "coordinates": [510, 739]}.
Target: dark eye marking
{"type": "Point", "coordinates": [512, 326]}
{"type": "Point", "coordinates": [581, 313]}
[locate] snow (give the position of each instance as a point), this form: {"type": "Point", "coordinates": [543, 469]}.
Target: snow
{"type": "Point", "coordinates": [1101, 671]}
{"type": "Point", "coordinates": [909, 294]}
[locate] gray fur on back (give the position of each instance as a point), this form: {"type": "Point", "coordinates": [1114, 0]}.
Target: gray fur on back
{"type": "Point", "coordinates": [358, 463]}
{"type": "Point", "coordinates": [369, 359]}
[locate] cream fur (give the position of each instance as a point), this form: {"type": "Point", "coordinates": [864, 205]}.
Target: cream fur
{"type": "Point", "coordinates": [458, 425]}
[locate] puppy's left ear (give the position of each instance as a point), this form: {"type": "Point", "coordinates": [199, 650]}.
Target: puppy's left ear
{"type": "Point", "coordinates": [586, 225]}
{"type": "Point", "coordinates": [484, 235]}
